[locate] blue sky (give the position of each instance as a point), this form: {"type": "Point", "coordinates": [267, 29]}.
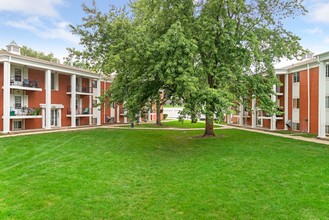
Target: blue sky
{"type": "Point", "coordinates": [43, 24]}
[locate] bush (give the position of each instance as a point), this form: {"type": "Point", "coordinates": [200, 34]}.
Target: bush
{"type": "Point", "coordinates": [165, 116]}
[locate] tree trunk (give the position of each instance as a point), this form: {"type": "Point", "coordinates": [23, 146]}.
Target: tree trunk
{"type": "Point", "coordinates": [158, 107]}
{"type": "Point", "coordinates": [209, 129]}
{"type": "Point", "coordinates": [194, 118]}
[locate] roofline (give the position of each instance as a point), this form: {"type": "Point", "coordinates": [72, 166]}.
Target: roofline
{"type": "Point", "coordinates": [47, 65]}
{"type": "Point", "coordinates": [299, 66]}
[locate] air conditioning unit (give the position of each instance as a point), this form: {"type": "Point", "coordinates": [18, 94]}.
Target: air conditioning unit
{"type": "Point", "coordinates": [288, 123]}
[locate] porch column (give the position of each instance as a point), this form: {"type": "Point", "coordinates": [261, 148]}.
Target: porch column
{"type": "Point", "coordinates": [148, 115]}
{"type": "Point", "coordinates": [98, 115]}
{"type": "Point", "coordinates": [48, 98]}
{"type": "Point", "coordinates": [241, 115]}
{"type": "Point", "coordinates": [73, 100]}
{"type": "Point", "coordinates": [6, 97]}
{"type": "Point", "coordinates": [322, 98]}
{"type": "Point", "coordinates": [253, 113]}
{"type": "Point", "coordinates": [308, 100]}
{"type": "Point", "coordinates": [229, 118]}
{"type": "Point", "coordinates": [286, 95]}
{"type": "Point", "coordinates": [118, 113]}
{"type": "Point", "coordinates": [273, 119]}
{"type": "Point", "coordinates": [90, 103]}
{"type": "Point", "coordinates": [125, 119]}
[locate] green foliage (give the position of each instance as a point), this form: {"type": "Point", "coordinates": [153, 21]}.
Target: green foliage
{"type": "Point", "coordinates": [209, 55]}
{"type": "Point", "coordinates": [27, 51]}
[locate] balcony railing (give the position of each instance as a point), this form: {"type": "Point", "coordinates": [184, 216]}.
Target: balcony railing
{"type": "Point", "coordinates": [81, 89]}
{"type": "Point", "coordinates": [25, 83]}
{"type": "Point", "coordinates": [278, 89]}
{"type": "Point", "coordinates": [25, 111]}
{"type": "Point", "coordinates": [81, 111]}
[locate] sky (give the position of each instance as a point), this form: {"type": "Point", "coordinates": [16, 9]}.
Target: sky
{"type": "Point", "coordinates": [44, 24]}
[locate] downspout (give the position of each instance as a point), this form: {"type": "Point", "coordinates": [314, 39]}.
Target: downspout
{"type": "Point", "coordinates": [308, 99]}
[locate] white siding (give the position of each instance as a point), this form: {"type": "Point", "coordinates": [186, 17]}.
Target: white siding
{"type": "Point", "coordinates": [295, 115]}
{"type": "Point", "coordinates": [172, 112]}
{"type": "Point", "coordinates": [295, 90]}
{"type": "Point", "coordinates": [327, 87]}
{"type": "Point", "coordinates": [327, 116]}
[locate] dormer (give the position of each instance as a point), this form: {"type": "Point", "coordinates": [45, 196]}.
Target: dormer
{"type": "Point", "coordinates": [14, 48]}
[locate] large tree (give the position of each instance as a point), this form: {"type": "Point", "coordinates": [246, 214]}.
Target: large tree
{"type": "Point", "coordinates": [210, 54]}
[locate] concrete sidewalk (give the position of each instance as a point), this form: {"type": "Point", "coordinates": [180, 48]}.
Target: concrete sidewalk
{"type": "Point", "coordinates": [313, 140]}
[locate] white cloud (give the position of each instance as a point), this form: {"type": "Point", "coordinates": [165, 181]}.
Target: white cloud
{"type": "Point", "coordinates": [45, 8]}
{"type": "Point", "coordinates": [313, 31]}
{"type": "Point", "coordinates": [53, 29]}
{"type": "Point", "coordinates": [318, 10]}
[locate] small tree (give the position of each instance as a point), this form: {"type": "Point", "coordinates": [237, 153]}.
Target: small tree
{"type": "Point", "coordinates": [27, 51]}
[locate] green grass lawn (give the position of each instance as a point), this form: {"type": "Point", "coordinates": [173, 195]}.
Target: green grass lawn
{"type": "Point", "coordinates": [175, 124]}
{"type": "Point", "coordinates": [156, 174]}
{"type": "Point", "coordinates": [292, 133]}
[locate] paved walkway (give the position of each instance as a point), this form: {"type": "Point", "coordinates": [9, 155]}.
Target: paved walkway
{"type": "Point", "coordinates": [119, 126]}
{"type": "Point", "coordinates": [313, 140]}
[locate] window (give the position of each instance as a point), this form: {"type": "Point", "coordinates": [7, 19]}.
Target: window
{"type": "Point", "coordinates": [54, 117]}
{"type": "Point", "coordinates": [327, 71]}
{"type": "Point", "coordinates": [18, 102]}
{"type": "Point", "coordinates": [295, 126]}
{"type": "Point", "coordinates": [295, 103]}
{"type": "Point", "coordinates": [327, 101]}
{"type": "Point", "coordinates": [327, 129]}
{"type": "Point", "coordinates": [296, 77]}
{"type": "Point", "coordinates": [18, 74]}
{"type": "Point", "coordinates": [18, 124]}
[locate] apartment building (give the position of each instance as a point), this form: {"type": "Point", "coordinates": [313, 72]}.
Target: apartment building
{"type": "Point", "coordinates": [38, 94]}
{"type": "Point", "coordinates": [303, 97]}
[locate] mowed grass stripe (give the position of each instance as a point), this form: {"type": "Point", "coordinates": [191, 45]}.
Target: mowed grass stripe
{"type": "Point", "coordinates": [152, 174]}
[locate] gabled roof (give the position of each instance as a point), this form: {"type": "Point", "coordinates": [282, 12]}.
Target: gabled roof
{"type": "Point", "coordinates": [13, 43]}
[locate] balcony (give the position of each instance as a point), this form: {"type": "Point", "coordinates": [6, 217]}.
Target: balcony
{"type": "Point", "coordinates": [25, 113]}
{"type": "Point", "coordinates": [80, 90]}
{"type": "Point", "coordinates": [279, 90]}
{"type": "Point", "coordinates": [26, 84]}
{"type": "Point", "coordinates": [80, 112]}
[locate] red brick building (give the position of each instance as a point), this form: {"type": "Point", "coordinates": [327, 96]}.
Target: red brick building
{"type": "Point", "coordinates": [39, 94]}
{"type": "Point", "coordinates": [303, 97]}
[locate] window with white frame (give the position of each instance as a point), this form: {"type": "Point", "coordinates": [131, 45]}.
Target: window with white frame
{"type": "Point", "coordinates": [327, 129]}
{"type": "Point", "coordinates": [18, 74]}
{"type": "Point", "coordinates": [327, 71]}
{"type": "Point", "coordinates": [295, 103]}
{"type": "Point", "coordinates": [18, 102]}
{"type": "Point", "coordinates": [296, 77]}
{"type": "Point", "coordinates": [295, 126]}
{"type": "Point", "coordinates": [17, 125]}
{"type": "Point", "coordinates": [327, 101]}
